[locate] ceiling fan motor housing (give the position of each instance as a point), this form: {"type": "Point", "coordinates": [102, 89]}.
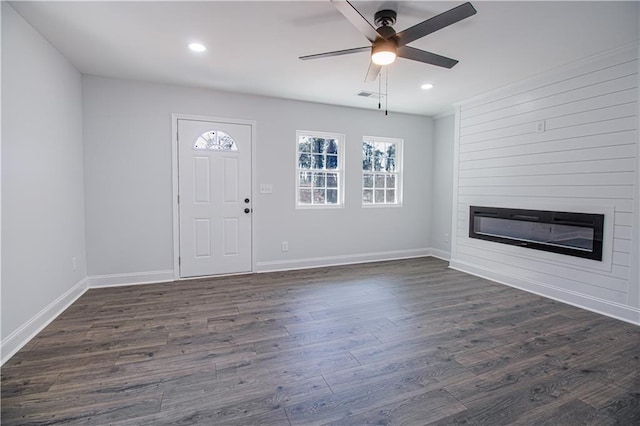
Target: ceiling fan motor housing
{"type": "Point", "coordinates": [385, 18]}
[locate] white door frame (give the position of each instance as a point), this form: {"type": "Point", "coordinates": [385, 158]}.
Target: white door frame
{"type": "Point", "coordinates": [174, 171]}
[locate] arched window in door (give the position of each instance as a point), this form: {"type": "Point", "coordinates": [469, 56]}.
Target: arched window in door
{"type": "Point", "coordinates": [215, 140]}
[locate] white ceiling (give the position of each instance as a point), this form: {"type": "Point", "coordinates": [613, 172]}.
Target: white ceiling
{"type": "Point", "coordinates": [253, 47]}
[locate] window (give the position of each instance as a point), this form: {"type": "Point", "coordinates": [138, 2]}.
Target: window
{"type": "Point", "coordinates": [215, 140]}
{"type": "Point", "coordinates": [319, 180]}
{"type": "Point", "coordinates": [381, 171]}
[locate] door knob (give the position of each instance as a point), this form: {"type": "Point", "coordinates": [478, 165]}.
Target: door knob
{"type": "Point", "coordinates": [247, 210]}
{"type": "Point", "coordinates": [246, 200]}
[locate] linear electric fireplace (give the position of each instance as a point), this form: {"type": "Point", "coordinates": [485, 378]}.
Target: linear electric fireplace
{"type": "Point", "coordinates": [573, 234]}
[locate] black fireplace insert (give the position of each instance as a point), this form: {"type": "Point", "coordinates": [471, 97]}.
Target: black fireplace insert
{"type": "Point", "coordinates": [569, 233]}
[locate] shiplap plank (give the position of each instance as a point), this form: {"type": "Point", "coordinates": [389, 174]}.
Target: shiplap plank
{"type": "Point", "coordinates": [578, 179]}
{"type": "Point", "coordinates": [575, 167]}
{"type": "Point", "coordinates": [593, 116]}
{"type": "Point", "coordinates": [623, 259]}
{"type": "Point", "coordinates": [623, 232]}
{"type": "Point", "coordinates": [550, 273]}
{"type": "Point", "coordinates": [558, 146]}
{"type": "Point", "coordinates": [598, 153]}
{"type": "Point", "coordinates": [548, 200]}
{"type": "Point", "coordinates": [599, 127]}
{"type": "Point", "coordinates": [498, 119]}
{"type": "Point", "coordinates": [559, 136]}
{"type": "Point", "coordinates": [559, 81]}
{"type": "Point", "coordinates": [573, 268]}
{"type": "Point", "coordinates": [622, 246]}
{"type": "Point", "coordinates": [527, 105]}
{"type": "Point", "coordinates": [623, 218]}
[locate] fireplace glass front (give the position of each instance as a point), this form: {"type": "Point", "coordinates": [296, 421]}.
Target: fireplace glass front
{"type": "Point", "coordinates": [574, 234]}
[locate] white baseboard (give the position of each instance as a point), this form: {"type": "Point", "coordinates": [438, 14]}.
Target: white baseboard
{"type": "Point", "coordinates": [20, 337]}
{"type": "Point", "coordinates": [318, 262]}
{"type": "Point", "coordinates": [441, 254]}
{"type": "Point", "coordinates": [134, 278]}
{"type": "Point", "coordinates": [594, 304]}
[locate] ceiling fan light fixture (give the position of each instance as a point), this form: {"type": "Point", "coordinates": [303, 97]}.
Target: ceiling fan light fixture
{"type": "Point", "coordinates": [384, 52]}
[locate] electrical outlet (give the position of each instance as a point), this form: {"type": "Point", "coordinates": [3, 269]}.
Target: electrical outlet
{"type": "Point", "coordinates": [285, 246]}
{"type": "Point", "coordinates": [540, 126]}
{"type": "Point", "coordinates": [74, 264]}
{"type": "Point", "coordinates": [446, 238]}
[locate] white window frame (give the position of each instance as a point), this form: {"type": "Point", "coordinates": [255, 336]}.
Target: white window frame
{"type": "Point", "coordinates": [399, 173]}
{"type": "Point", "coordinates": [340, 138]}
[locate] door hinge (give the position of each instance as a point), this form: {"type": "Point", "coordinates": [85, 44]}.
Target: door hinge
{"type": "Point", "coordinates": [178, 199]}
{"type": "Point", "coordinates": [179, 260]}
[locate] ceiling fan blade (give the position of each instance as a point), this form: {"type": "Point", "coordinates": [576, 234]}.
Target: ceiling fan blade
{"type": "Point", "coordinates": [372, 72]}
{"type": "Point", "coordinates": [336, 53]}
{"type": "Point", "coordinates": [414, 54]}
{"type": "Point", "coordinates": [436, 23]}
{"type": "Point", "coordinates": [356, 19]}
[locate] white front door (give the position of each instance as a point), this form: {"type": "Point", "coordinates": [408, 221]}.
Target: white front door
{"type": "Point", "coordinates": [214, 184]}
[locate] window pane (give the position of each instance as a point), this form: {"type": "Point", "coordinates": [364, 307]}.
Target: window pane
{"type": "Point", "coordinates": [391, 196]}
{"type": "Point", "coordinates": [305, 179]}
{"type": "Point", "coordinates": [367, 196]}
{"type": "Point", "coordinates": [379, 193]}
{"type": "Point", "coordinates": [305, 196]}
{"type": "Point", "coordinates": [319, 196]}
{"type": "Point", "coordinates": [332, 196]}
{"type": "Point", "coordinates": [317, 161]}
{"type": "Point", "coordinates": [332, 180]}
{"type": "Point", "coordinates": [380, 181]}
{"type": "Point", "coordinates": [367, 156]}
{"type": "Point", "coordinates": [332, 162]}
{"type": "Point", "coordinates": [367, 181]}
{"type": "Point", "coordinates": [319, 180]}
{"type": "Point", "coordinates": [304, 161]}
{"type": "Point", "coordinates": [378, 160]}
{"type": "Point", "coordinates": [390, 165]}
{"type": "Point", "coordinates": [332, 146]}
{"type": "Point", "coordinates": [304, 145]}
{"type": "Point", "coordinates": [317, 145]}
{"type": "Point", "coordinates": [391, 150]}
{"type": "Point", "coordinates": [391, 181]}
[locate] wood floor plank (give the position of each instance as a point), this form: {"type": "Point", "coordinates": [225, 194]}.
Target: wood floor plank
{"type": "Point", "coordinates": [417, 410]}
{"type": "Point", "coordinates": [407, 342]}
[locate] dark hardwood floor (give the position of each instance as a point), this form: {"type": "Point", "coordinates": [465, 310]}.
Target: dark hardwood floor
{"type": "Point", "coordinates": [393, 343]}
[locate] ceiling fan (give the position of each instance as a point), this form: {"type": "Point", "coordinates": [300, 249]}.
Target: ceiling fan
{"type": "Point", "coordinates": [386, 44]}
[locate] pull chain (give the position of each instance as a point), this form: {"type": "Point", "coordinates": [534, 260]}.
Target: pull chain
{"type": "Point", "coordinates": [380, 91]}
{"type": "Point", "coordinates": [386, 97]}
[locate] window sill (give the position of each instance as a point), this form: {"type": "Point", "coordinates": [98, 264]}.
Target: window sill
{"type": "Point", "coordinates": [380, 205]}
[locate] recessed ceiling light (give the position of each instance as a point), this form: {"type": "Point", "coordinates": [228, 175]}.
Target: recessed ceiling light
{"type": "Point", "coordinates": [426, 86]}
{"type": "Point", "coordinates": [196, 47]}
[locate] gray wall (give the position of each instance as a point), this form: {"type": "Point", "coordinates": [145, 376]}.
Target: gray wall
{"type": "Point", "coordinates": [42, 177]}
{"type": "Point", "coordinates": [443, 141]}
{"type": "Point", "coordinates": [128, 191]}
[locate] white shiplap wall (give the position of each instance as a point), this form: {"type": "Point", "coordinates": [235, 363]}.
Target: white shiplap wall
{"type": "Point", "coordinates": [566, 140]}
